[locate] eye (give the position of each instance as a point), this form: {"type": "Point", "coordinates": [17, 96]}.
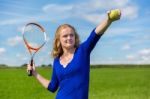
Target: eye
{"type": "Point", "coordinates": [64, 36]}
{"type": "Point", "coordinates": [72, 35]}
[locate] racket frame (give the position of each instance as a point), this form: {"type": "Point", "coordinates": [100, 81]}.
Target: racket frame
{"type": "Point", "coordinates": [29, 47]}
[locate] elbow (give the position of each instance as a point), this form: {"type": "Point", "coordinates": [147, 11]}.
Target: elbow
{"type": "Point", "coordinates": [52, 88]}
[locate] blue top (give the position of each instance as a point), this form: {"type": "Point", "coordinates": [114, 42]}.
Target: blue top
{"type": "Point", "coordinates": [73, 81]}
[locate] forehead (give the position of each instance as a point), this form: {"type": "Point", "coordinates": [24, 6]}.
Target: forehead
{"type": "Point", "coordinates": [66, 30]}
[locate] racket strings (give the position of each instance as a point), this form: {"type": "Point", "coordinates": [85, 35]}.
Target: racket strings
{"type": "Point", "coordinates": [34, 37]}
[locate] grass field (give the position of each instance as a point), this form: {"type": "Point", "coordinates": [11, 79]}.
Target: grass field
{"type": "Point", "coordinates": [105, 83]}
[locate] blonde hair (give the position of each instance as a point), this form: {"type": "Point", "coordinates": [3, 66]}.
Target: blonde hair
{"type": "Point", "coordinates": [57, 48]}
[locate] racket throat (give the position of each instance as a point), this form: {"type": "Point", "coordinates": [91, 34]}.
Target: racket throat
{"type": "Point", "coordinates": [31, 64]}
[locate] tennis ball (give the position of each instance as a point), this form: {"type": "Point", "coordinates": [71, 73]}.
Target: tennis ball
{"type": "Point", "coordinates": [114, 14]}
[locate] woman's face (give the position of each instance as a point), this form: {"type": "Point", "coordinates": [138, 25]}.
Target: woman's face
{"type": "Point", "coordinates": [67, 38]}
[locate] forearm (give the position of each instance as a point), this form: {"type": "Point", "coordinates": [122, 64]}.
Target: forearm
{"type": "Point", "coordinates": [101, 28]}
{"type": "Point", "coordinates": [112, 16]}
{"type": "Point", "coordinates": [41, 79]}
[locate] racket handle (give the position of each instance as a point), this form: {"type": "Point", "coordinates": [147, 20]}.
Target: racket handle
{"type": "Point", "coordinates": [30, 71]}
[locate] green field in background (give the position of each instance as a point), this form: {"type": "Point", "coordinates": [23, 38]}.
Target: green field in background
{"type": "Point", "coordinates": [105, 83]}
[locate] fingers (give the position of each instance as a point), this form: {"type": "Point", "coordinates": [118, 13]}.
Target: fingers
{"type": "Point", "coordinates": [114, 14]}
{"type": "Point", "coordinates": [119, 13]}
{"type": "Point", "coordinates": [29, 67]}
{"type": "Point", "coordinates": [108, 14]}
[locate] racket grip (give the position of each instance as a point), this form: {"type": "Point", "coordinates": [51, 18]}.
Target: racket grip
{"type": "Point", "coordinates": [30, 71]}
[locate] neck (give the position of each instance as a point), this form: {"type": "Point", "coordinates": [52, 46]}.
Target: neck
{"type": "Point", "coordinates": [67, 52]}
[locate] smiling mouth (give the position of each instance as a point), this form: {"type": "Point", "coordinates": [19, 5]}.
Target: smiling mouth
{"type": "Point", "coordinates": [69, 42]}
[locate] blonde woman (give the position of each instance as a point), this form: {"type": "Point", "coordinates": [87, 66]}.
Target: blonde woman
{"type": "Point", "coordinates": [71, 66]}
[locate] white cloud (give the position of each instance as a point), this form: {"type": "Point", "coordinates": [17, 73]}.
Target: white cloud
{"type": "Point", "coordinates": [139, 57]}
{"type": "Point", "coordinates": [22, 20]}
{"type": "Point", "coordinates": [122, 3]}
{"type": "Point", "coordinates": [93, 5]}
{"type": "Point", "coordinates": [19, 20]}
{"type": "Point", "coordinates": [136, 35]}
{"type": "Point", "coordinates": [2, 50]}
{"type": "Point", "coordinates": [145, 52]}
{"type": "Point", "coordinates": [130, 57]}
{"type": "Point", "coordinates": [14, 41]}
{"type": "Point", "coordinates": [56, 8]}
{"type": "Point", "coordinates": [145, 58]}
{"type": "Point", "coordinates": [9, 22]}
{"type": "Point", "coordinates": [92, 17]}
{"type": "Point", "coordinates": [91, 10]}
{"type": "Point", "coordinates": [129, 12]}
{"type": "Point", "coordinates": [21, 57]}
{"type": "Point", "coordinates": [20, 28]}
{"type": "Point", "coordinates": [86, 10]}
{"type": "Point", "coordinates": [126, 47]}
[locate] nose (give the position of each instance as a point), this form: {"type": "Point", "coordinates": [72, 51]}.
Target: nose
{"type": "Point", "coordinates": [69, 37]}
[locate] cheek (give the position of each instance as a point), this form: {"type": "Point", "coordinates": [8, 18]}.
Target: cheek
{"type": "Point", "coordinates": [73, 38]}
{"type": "Point", "coordinates": [62, 40]}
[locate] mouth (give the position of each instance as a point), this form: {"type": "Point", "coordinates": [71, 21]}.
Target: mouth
{"type": "Point", "coordinates": [70, 41]}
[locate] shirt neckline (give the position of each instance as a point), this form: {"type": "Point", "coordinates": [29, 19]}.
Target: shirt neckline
{"type": "Point", "coordinates": [67, 65]}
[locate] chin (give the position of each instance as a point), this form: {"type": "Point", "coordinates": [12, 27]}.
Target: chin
{"type": "Point", "coordinates": [70, 46]}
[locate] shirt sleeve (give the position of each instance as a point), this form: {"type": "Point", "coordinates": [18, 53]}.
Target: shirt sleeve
{"type": "Point", "coordinates": [91, 41]}
{"type": "Point", "coordinates": [53, 85]}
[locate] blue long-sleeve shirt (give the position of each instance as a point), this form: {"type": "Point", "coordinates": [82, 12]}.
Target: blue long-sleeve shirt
{"type": "Point", "coordinates": [73, 81]}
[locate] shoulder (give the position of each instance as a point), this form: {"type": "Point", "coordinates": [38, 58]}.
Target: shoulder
{"type": "Point", "coordinates": [56, 59]}
{"type": "Point", "coordinates": [55, 62]}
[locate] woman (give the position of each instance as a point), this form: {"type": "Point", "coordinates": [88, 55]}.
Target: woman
{"type": "Point", "coordinates": [71, 64]}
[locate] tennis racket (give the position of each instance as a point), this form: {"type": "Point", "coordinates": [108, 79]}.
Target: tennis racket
{"type": "Point", "coordinates": [34, 37]}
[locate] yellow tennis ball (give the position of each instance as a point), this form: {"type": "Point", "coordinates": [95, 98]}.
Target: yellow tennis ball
{"type": "Point", "coordinates": [114, 14]}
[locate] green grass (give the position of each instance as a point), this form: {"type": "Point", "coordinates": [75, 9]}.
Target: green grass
{"type": "Point", "coordinates": [117, 83]}
{"type": "Point", "coordinates": [105, 83]}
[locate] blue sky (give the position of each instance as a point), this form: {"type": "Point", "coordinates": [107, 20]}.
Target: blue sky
{"type": "Point", "coordinates": [125, 42]}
